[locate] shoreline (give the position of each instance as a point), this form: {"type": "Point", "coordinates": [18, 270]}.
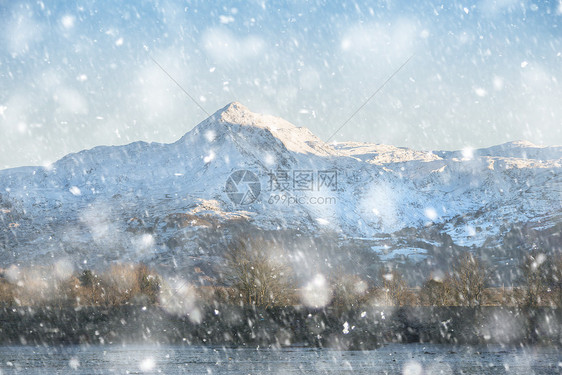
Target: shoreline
{"type": "Point", "coordinates": [234, 326]}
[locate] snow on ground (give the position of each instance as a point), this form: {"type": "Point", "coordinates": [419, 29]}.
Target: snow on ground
{"type": "Point", "coordinates": [371, 189]}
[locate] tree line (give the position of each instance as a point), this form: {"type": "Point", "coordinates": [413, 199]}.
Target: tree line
{"type": "Point", "coordinates": [255, 273]}
{"type": "Point", "coordinates": [262, 279]}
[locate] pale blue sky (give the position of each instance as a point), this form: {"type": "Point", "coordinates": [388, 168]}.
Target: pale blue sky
{"type": "Point", "coordinates": [73, 76]}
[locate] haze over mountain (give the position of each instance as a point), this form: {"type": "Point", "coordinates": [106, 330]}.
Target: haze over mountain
{"type": "Point", "coordinates": [240, 173]}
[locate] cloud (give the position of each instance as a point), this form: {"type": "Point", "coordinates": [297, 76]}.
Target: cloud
{"type": "Point", "coordinates": [21, 32]}
{"type": "Point", "coordinates": [537, 110]}
{"type": "Point", "coordinates": [157, 94]}
{"type": "Point", "coordinates": [492, 7]}
{"type": "Point", "coordinates": [15, 115]}
{"type": "Point", "coordinates": [224, 47]}
{"type": "Point", "coordinates": [466, 70]}
{"type": "Point", "coordinates": [391, 41]}
{"type": "Point", "coordinates": [537, 78]}
{"type": "Point", "coordinates": [69, 100]}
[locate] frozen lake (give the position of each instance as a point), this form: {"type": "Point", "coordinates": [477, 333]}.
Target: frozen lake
{"type": "Point", "coordinates": [390, 359]}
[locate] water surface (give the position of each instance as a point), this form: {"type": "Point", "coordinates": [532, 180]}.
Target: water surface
{"type": "Point", "coordinates": [168, 359]}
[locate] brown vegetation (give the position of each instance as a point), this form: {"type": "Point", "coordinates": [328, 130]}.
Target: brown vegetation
{"type": "Point", "coordinates": [120, 285]}
{"type": "Point", "coordinates": [348, 290]}
{"type": "Point", "coordinates": [395, 290]}
{"type": "Point", "coordinates": [535, 278]}
{"type": "Point", "coordinates": [437, 292]}
{"type": "Point", "coordinates": [469, 280]}
{"type": "Point", "coordinates": [259, 274]}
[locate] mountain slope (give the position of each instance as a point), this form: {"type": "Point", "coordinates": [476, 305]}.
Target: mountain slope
{"type": "Point", "coordinates": [172, 203]}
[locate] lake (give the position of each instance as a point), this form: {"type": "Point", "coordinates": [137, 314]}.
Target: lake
{"type": "Point", "coordinates": [172, 359]}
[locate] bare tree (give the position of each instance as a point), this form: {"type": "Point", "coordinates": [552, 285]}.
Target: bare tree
{"type": "Point", "coordinates": [437, 292]}
{"type": "Point", "coordinates": [395, 289]}
{"type": "Point", "coordinates": [91, 288]}
{"type": "Point", "coordinates": [149, 283]}
{"type": "Point", "coordinates": [555, 278]}
{"type": "Point", "coordinates": [535, 276]}
{"type": "Point", "coordinates": [259, 276]}
{"type": "Point", "coordinates": [469, 280]}
{"type": "Point", "coordinates": [6, 293]}
{"type": "Point", "coordinates": [127, 283]}
{"type": "Point", "coordinates": [348, 290]}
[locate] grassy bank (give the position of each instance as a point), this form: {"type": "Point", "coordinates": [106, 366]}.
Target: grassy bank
{"type": "Point", "coordinates": [235, 325]}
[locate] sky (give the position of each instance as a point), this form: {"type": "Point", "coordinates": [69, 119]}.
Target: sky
{"type": "Point", "coordinates": [75, 75]}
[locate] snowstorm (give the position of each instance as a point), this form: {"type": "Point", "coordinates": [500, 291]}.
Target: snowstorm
{"type": "Point", "coordinates": [281, 187]}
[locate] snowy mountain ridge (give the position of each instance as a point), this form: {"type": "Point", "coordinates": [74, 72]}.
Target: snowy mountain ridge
{"type": "Point", "coordinates": [160, 202]}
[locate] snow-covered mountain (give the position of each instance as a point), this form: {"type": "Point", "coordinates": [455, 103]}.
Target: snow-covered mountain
{"type": "Point", "coordinates": [238, 172]}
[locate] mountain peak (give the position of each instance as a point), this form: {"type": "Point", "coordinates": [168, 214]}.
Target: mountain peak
{"type": "Point", "coordinates": [237, 113]}
{"type": "Point", "coordinates": [522, 143]}
{"type": "Point", "coordinates": [232, 109]}
{"type": "Point", "coordinates": [234, 106]}
{"type": "Point", "coordinates": [237, 119]}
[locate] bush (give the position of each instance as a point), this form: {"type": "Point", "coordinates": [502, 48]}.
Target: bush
{"type": "Point", "coordinates": [6, 293]}
{"type": "Point", "coordinates": [348, 291]}
{"type": "Point", "coordinates": [260, 276]}
{"type": "Point", "coordinates": [436, 292]}
{"type": "Point", "coordinates": [125, 284]}
{"type": "Point", "coordinates": [395, 290]}
{"type": "Point", "coordinates": [149, 283]}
